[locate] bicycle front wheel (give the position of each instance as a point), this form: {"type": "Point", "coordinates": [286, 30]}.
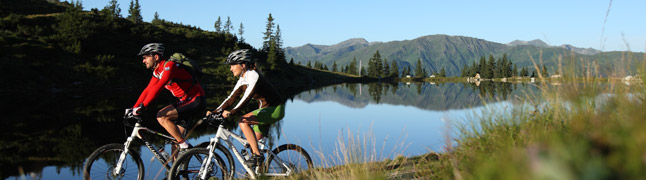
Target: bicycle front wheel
{"type": "Point", "coordinates": [103, 161]}
{"type": "Point", "coordinates": [188, 165]}
{"type": "Point", "coordinates": [287, 156]}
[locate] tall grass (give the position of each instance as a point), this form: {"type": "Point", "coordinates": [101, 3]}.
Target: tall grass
{"type": "Point", "coordinates": [582, 129]}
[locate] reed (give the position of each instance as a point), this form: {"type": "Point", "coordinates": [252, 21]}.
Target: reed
{"type": "Point", "coordinates": [586, 128]}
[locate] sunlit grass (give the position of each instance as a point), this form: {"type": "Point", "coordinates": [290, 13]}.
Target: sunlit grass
{"type": "Point", "coordinates": [584, 127]}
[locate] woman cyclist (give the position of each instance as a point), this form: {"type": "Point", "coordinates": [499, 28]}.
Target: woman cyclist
{"type": "Point", "coordinates": [252, 85]}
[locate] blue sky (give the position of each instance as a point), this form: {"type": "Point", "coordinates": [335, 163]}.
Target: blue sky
{"type": "Point", "coordinates": [576, 22]}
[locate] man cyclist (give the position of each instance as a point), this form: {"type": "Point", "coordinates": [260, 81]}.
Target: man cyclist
{"type": "Point", "coordinates": [175, 118]}
{"type": "Point", "coordinates": [252, 85]}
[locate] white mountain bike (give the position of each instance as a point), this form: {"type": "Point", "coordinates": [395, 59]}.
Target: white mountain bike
{"type": "Point", "coordinates": [120, 161]}
{"type": "Point", "coordinates": [199, 163]}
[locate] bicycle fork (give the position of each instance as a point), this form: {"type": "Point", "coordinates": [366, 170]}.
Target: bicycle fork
{"type": "Point", "coordinates": [122, 157]}
{"type": "Point", "coordinates": [206, 163]}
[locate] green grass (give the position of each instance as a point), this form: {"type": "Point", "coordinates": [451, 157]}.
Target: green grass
{"type": "Point", "coordinates": [588, 127]}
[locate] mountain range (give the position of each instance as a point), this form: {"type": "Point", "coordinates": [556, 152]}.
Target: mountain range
{"type": "Point", "coordinates": [452, 53]}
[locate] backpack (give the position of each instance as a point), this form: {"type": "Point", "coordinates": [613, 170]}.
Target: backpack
{"type": "Point", "coordinates": [188, 64]}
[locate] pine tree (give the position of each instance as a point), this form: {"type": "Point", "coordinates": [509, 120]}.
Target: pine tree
{"type": "Point", "coordinates": [277, 37]}
{"type": "Point", "coordinates": [514, 71]}
{"type": "Point", "coordinates": [483, 67]}
{"type": "Point", "coordinates": [491, 67]}
{"type": "Point", "coordinates": [523, 72]}
{"type": "Point", "coordinates": [268, 35]}
{"type": "Point", "coordinates": [465, 71]}
{"type": "Point", "coordinates": [113, 9]}
{"type": "Point", "coordinates": [419, 71]}
{"type": "Point", "coordinates": [135, 12]}
{"type": "Point", "coordinates": [363, 71]}
{"type": "Point", "coordinates": [240, 31]}
{"type": "Point", "coordinates": [544, 72]}
{"type": "Point", "coordinates": [227, 26]}
{"type": "Point", "coordinates": [386, 69]}
{"type": "Point", "coordinates": [309, 65]}
{"type": "Point", "coordinates": [394, 69]}
{"type": "Point", "coordinates": [352, 68]}
{"type": "Point", "coordinates": [218, 25]}
{"type": "Point", "coordinates": [375, 66]}
{"type": "Point", "coordinates": [442, 72]}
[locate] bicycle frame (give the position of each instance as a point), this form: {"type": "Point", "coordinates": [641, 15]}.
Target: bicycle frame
{"type": "Point", "coordinates": [224, 134]}
{"type": "Point", "coordinates": [137, 132]}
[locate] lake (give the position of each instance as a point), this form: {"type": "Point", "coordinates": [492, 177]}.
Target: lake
{"type": "Point", "coordinates": [51, 138]}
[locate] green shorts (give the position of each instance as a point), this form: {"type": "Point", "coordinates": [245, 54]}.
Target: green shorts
{"type": "Point", "coordinates": [268, 116]}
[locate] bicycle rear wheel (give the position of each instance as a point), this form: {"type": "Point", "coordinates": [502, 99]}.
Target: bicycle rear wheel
{"type": "Point", "coordinates": [292, 155]}
{"type": "Point", "coordinates": [188, 165]}
{"type": "Point", "coordinates": [103, 161]}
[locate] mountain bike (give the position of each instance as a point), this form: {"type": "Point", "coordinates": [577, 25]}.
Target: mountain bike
{"type": "Point", "coordinates": [284, 160]}
{"type": "Point", "coordinates": [119, 161]}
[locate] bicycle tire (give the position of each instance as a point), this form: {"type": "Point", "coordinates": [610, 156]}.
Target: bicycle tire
{"type": "Point", "coordinates": [221, 150]}
{"type": "Point", "coordinates": [109, 154]}
{"type": "Point", "coordinates": [187, 166]}
{"type": "Point", "coordinates": [294, 155]}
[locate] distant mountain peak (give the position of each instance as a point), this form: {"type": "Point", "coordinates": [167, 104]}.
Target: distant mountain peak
{"type": "Point", "coordinates": [354, 41]}
{"type": "Point", "coordinates": [535, 42]}
{"type": "Point", "coordinates": [586, 51]}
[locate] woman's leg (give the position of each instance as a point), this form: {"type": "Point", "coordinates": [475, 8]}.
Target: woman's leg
{"type": "Point", "coordinates": [245, 126]}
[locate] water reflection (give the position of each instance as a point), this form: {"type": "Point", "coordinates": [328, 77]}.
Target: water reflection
{"type": "Point", "coordinates": [439, 96]}
{"type": "Point", "coordinates": [57, 131]}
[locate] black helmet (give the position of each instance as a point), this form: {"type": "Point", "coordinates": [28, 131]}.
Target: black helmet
{"type": "Point", "coordinates": [238, 57]}
{"type": "Point", "coordinates": [152, 48]}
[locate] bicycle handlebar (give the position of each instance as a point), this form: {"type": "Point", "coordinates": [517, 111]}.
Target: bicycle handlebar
{"type": "Point", "coordinates": [214, 119]}
{"type": "Point", "coordinates": [130, 116]}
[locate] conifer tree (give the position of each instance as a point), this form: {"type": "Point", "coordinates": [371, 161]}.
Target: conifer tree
{"type": "Point", "coordinates": [386, 68]}
{"type": "Point", "coordinates": [228, 26]}
{"type": "Point", "coordinates": [544, 72]}
{"type": "Point", "coordinates": [218, 25]}
{"type": "Point", "coordinates": [135, 12]}
{"type": "Point", "coordinates": [375, 66]}
{"type": "Point", "coordinates": [491, 65]}
{"type": "Point", "coordinates": [113, 9]}
{"type": "Point", "coordinates": [269, 32]}
{"type": "Point", "coordinates": [442, 72]}
{"type": "Point", "coordinates": [272, 56]}
{"type": "Point", "coordinates": [277, 37]}
{"type": "Point", "coordinates": [483, 66]}
{"type": "Point", "coordinates": [240, 31]}
{"type": "Point", "coordinates": [394, 69]}
{"type": "Point", "coordinates": [419, 71]}
{"type": "Point", "coordinates": [514, 71]}
{"type": "Point", "coordinates": [352, 68]}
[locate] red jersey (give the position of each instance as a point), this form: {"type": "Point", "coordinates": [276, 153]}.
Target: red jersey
{"type": "Point", "coordinates": [177, 80]}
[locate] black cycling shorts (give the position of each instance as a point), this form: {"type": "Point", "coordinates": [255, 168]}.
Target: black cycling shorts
{"type": "Point", "coordinates": [189, 110]}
